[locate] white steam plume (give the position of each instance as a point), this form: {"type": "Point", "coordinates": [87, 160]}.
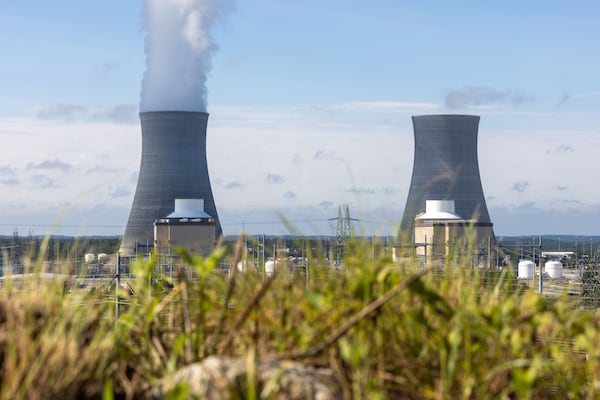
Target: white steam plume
{"type": "Point", "coordinates": [179, 50]}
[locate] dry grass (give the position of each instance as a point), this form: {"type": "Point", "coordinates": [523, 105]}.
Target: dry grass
{"type": "Point", "coordinates": [387, 331]}
{"type": "Point", "coordinates": [52, 345]}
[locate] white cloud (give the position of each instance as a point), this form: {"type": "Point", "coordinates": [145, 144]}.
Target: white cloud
{"type": "Point", "coordinates": [327, 155]}
{"type": "Point", "coordinates": [51, 154]}
{"type": "Point", "coordinates": [539, 161]}
{"type": "Point", "coordinates": [363, 162]}
{"type": "Point", "coordinates": [379, 107]}
{"type": "Point", "coordinates": [563, 148]}
{"type": "Point", "coordinates": [6, 170]}
{"type": "Point", "coordinates": [481, 96]}
{"type": "Point", "coordinates": [321, 157]}
{"type": "Point", "coordinates": [50, 164]}
{"type": "Point", "coordinates": [44, 182]}
{"type": "Point", "coordinates": [275, 179]}
{"type": "Point", "coordinates": [9, 182]}
{"type": "Point", "coordinates": [233, 185]}
{"type": "Point", "coordinates": [520, 186]}
{"type": "Point", "coordinates": [120, 191]}
{"type": "Point", "coordinates": [64, 112]}
{"type": "Point", "coordinates": [120, 114]}
{"type": "Point", "coordinates": [361, 190]}
{"type": "Point", "coordinates": [567, 98]}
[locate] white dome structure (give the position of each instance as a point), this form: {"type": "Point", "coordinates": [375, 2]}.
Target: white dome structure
{"type": "Point", "coordinates": [439, 210]}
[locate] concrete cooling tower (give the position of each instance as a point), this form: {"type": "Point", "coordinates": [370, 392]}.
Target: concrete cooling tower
{"type": "Point", "coordinates": [446, 168]}
{"type": "Point", "coordinates": [173, 166]}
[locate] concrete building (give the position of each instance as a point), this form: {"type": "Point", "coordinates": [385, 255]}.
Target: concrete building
{"type": "Point", "coordinates": [439, 231]}
{"type": "Point", "coordinates": [188, 227]}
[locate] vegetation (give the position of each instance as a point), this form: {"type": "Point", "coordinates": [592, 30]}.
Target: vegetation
{"type": "Point", "coordinates": [591, 286]}
{"type": "Point", "coordinates": [388, 330]}
{"type": "Point", "coordinates": [13, 250]}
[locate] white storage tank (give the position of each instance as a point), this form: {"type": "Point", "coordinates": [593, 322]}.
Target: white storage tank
{"type": "Point", "coordinates": [241, 266]}
{"type": "Point", "coordinates": [269, 267]}
{"type": "Point", "coordinates": [245, 265]}
{"type": "Point", "coordinates": [89, 257]}
{"type": "Point", "coordinates": [526, 269]}
{"type": "Point", "coordinates": [554, 269]}
{"type": "Point", "coordinates": [102, 257]}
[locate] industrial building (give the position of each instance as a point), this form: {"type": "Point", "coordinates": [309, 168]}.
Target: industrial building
{"type": "Point", "coordinates": [188, 227]}
{"type": "Point", "coordinates": [439, 231]}
{"type": "Point", "coordinates": [173, 166]}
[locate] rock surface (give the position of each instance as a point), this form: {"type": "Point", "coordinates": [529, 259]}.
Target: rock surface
{"type": "Point", "coordinates": [218, 378]}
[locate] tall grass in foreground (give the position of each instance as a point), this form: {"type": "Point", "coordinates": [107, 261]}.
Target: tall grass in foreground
{"type": "Point", "coordinates": [53, 344]}
{"type": "Point", "coordinates": [387, 330]}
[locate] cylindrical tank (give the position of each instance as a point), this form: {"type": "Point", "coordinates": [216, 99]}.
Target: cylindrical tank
{"type": "Point", "coordinates": [269, 267]}
{"type": "Point", "coordinates": [173, 166]}
{"type": "Point", "coordinates": [245, 266]}
{"type": "Point", "coordinates": [445, 167]}
{"type": "Point", "coordinates": [89, 257]}
{"type": "Point", "coordinates": [526, 269]}
{"type": "Point", "coordinates": [102, 257]}
{"type": "Point", "coordinates": [554, 269]}
{"type": "Point", "coordinates": [241, 266]}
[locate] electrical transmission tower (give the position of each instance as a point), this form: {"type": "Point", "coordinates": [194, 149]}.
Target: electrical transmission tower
{"type": "Point", "coordinates": [343, 232]}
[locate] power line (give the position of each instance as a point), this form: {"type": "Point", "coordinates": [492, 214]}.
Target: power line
{"type": "Point", "coordinates": [274, 222]}
{"type": "Point", "coordinates": [63, 225]}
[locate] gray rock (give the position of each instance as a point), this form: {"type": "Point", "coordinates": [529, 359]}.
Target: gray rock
{"type": "Point", "coordinates": [226, 378]}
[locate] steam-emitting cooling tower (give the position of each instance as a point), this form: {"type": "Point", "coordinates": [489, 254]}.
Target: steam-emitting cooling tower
{"type": "Point", "coordinates": [173, 166]}
{"type": "Point", "coordinates": [446, 168]}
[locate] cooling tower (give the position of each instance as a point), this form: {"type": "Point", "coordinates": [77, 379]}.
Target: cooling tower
{"type": "Point", "coordinates": [173, 166]}
{"type": "Point", "coordinates": [446, 168]}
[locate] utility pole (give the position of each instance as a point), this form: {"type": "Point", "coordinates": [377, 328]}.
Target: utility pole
{"type": "Point", "coordinates": [118, 285]}
{"type": "Point", "coordinates": [541, 280]}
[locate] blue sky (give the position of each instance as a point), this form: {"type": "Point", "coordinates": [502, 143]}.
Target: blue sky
{"type": "Point", "coordinates": [310, 105]}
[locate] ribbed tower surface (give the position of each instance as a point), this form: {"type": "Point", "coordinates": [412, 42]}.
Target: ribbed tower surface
{"type": "Point", "coordinates": [173, 166]}
{"type": "Point", "coordinates": [446, 167]}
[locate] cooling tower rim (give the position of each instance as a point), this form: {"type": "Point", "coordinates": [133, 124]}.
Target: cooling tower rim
{"type": "Point", "coordinates": [446, 116]}
{"type": "Point", "coordinates": [164, 112]}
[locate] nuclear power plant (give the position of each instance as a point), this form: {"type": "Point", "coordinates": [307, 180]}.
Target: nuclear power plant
{"type": "Point", "coordinates": [173, 166]}
{"type": "Point", "coordinates": [446, 174]}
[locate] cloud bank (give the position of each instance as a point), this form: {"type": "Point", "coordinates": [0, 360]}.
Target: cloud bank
{"type": "Point", "coordinates": [120, 114]}
{"type": "Point", "coordinates": [481, 95]}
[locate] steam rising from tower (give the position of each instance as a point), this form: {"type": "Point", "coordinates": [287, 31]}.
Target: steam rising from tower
{"type": "Point", "coordinates": [179, 50]}
{"type": "Point", "coordinates": [446, 168]}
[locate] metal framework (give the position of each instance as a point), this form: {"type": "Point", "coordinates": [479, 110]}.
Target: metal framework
{"type": "Point", "coordinates": [343, 232]}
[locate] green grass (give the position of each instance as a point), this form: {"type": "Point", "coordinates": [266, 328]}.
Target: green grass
{"type": "Point", "coordinates": [387, 330]}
